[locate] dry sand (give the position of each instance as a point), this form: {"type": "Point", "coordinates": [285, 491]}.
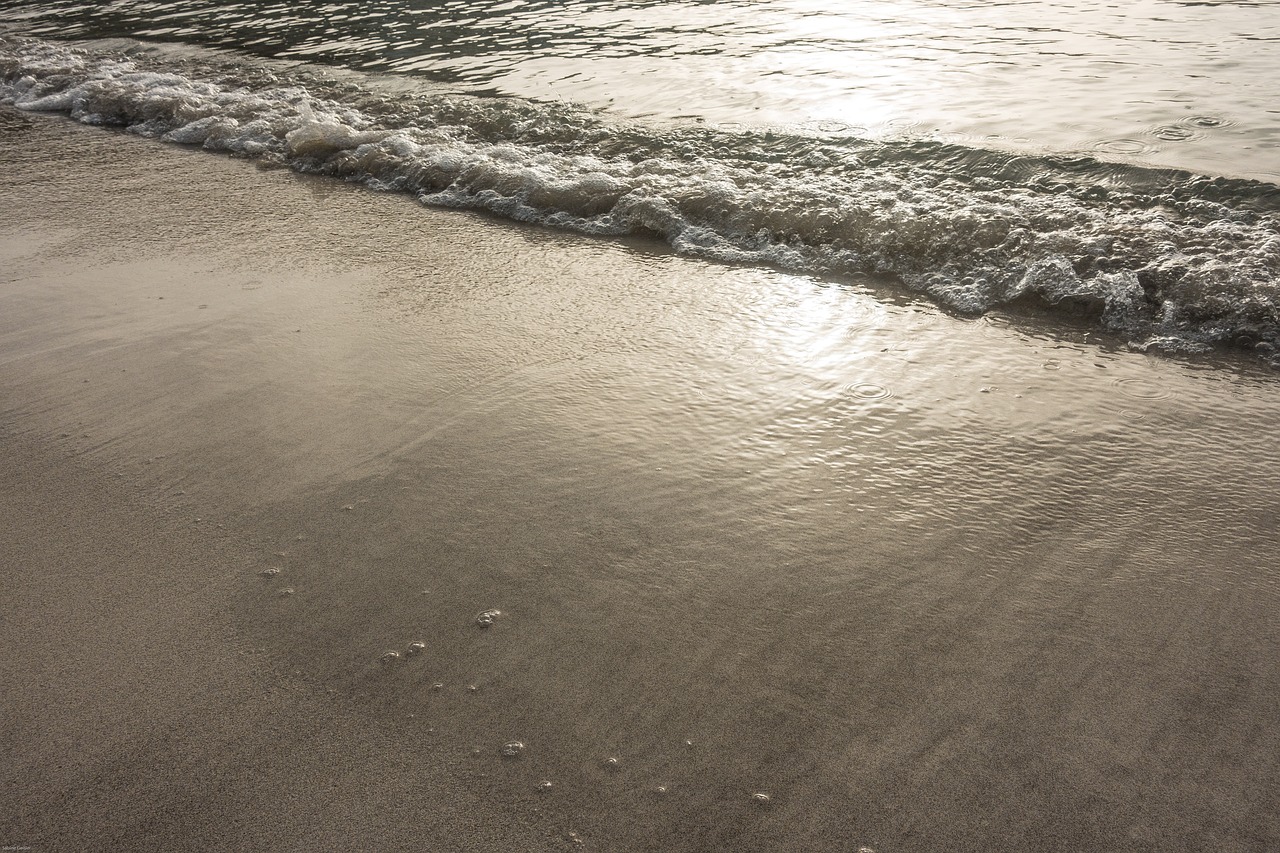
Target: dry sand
{"type": "Point", "coordinates": [927, 583]}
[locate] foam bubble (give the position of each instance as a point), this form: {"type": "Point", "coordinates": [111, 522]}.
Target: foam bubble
{"type": "Point", "coordinates": [485, 618]}
{"type": "Point", "coordinates": [1173, 133]}
{"type": "Point", "coordinates": [1141, 389]}
{"type": "Point", "coordinates": [868, 391]}
{"type": "Point", "coordinates": [323, 135]}
{"type": "Point", "coordinates": [1125, 146]}
{"type": "Point", "coordinates": [512, 749]}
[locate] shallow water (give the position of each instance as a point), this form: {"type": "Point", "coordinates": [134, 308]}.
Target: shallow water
{"type": "Point", "coordinates": [1038, 153]}
{"type": "Point", "coordinates": [826, 564]}
{"type": "Point", "coordinates": [1164, 259]}
{"type": "Point", "coordinates": [1184, 84]}
{"type": "Point", "coordinates": [926, 582]}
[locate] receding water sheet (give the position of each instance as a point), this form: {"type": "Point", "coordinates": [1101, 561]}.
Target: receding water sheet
{"type": "Point", "coordinates": [436, 426]}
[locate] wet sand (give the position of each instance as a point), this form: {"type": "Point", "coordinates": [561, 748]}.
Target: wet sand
{"type": "Point", "coordinates": [821, 568]}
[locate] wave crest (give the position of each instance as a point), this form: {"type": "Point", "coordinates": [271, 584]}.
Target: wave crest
{"type": "Point", "coordinates": [1162, 257]}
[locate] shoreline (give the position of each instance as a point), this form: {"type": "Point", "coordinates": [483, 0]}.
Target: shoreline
{"type": "Point", "coordinates": [920, 580]}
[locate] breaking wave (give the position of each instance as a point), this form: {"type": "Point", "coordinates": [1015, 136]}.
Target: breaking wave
{"type": "Point", "coordinates": [1165, 258]}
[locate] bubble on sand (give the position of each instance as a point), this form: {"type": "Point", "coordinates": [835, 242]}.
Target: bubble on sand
{"type": "Point", "coordinates": [612, 763]}
{"type": "Point", "coordinates": [661, 790]}
{"type": "Point", "coordinates": [1173, 133]}
{"type": "Point", "coordinates": [512, 749]}
{"type": "Point", "coordinates": [869, 391]}
{"type": "Point", "coordinates": [416, 648]}
{"type": "Point", "coordinates": [1140, 389]}
{"type": "Point", "coordinates": [575, 837]}
{"type": "Point", "coordinates": [1123, 146]}
{"type": "Point", "coordinates": [288, 590]}
{"type": "Point", "coordinates": [485, 618]}
{"type": "Point", "coordinates": [437, 686]}
{"type": "Point", "coordinates": [865, 850]}
{"type": "Point", "coordinates": [760, 798]}
{"type": "Point", "coordinates": [348, 507]}
{"type": "Point", "coordinates": [389, 657]}
{"type": "Point", "coordinates": [269, 573]}
{"type": "Point", "coordinates": [473, 688]}
{"type": "Point", "coordinates": [545, 785]}
{"type": "Point", "coordinates": [1208, 121]}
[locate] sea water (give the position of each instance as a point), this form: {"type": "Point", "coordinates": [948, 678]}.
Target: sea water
{"type": "Point", "coordinates": [1112, 162]}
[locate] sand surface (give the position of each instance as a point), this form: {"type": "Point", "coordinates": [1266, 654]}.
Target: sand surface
{"type": "Point", "coordinates": [925, 582]}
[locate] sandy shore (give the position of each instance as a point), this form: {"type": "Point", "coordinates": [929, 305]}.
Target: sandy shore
{"type": "Point", "coordinates": [137, 714]}
{"type": "Point", "coordinates": [819, 570]}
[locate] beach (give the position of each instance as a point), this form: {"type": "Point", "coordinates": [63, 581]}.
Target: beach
{"type": "Point", "coordinates": [701, 557]}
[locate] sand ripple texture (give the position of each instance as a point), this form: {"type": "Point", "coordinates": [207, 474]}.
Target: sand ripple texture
{"type": "Point", "coordinates": [1164, 258]}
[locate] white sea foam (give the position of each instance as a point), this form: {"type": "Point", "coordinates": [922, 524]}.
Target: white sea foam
{"type": "Point", "coordinates": [1165, 258]}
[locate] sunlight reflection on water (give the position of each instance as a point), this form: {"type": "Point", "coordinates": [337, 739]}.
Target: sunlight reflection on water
{"type": "Point", "coordinates": [1083, 76]}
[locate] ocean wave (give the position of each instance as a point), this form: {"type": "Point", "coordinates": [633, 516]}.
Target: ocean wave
{"type": "Point", "coordinates": [1165, 258]}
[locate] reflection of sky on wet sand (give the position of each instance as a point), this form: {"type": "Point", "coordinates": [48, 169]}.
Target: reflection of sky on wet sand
{"type": "Point", "coordinates": [1153, 81]}
{"type": "Point", "coordinates": [998, 591]}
